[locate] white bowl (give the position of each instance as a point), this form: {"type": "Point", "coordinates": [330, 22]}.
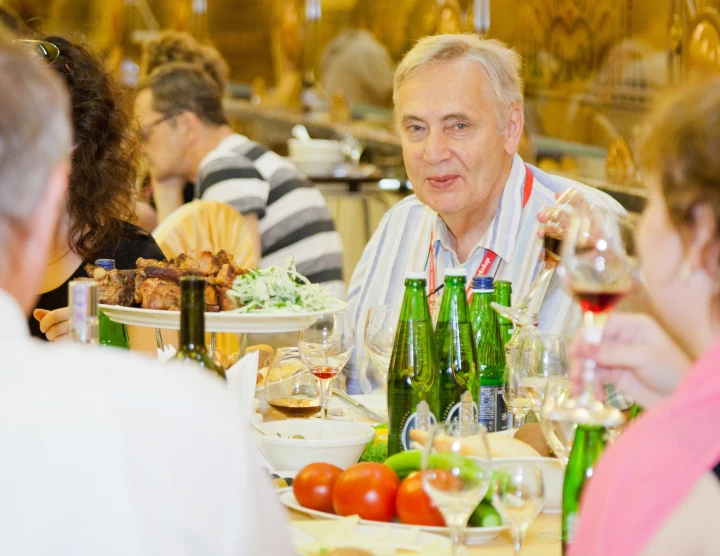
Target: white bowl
{"type": "Point", "coordinates": [317, 167]}
{"type": "Point", "coordinates": [338, 442]}
{"type": "Point", "coordinates": [553, 475]}
{"type": "Point", "coordinates": [315, 148]}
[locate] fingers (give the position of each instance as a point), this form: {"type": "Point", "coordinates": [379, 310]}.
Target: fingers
{"type": "Point", "coordinates": [55, 324]}
{"type": "Point", "coordinates": [39, 314]}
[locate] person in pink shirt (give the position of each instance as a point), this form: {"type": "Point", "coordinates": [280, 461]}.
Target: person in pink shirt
{"type": "Point", "coordinates": [657, 488]}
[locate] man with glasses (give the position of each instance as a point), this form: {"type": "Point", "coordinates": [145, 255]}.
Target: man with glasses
{"type": "Point", "coordinates": [187, 137]}
{"type": "Point", "coordinates": [103, 452]}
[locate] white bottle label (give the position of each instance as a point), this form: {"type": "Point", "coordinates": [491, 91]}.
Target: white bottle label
{"type": "Point", "coordinates": [422, 420]}
{"type": "Point", "coordinates": [464, 412]}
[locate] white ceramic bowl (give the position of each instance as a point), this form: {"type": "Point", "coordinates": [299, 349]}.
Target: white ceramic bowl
{"type": "Point", "coordinates": [553, 474]}
{"type": "Point", "coordinates": [317, 167]}
{"type": "Point", "coordinates": [338, 442]}
{"type": "Point", "coordinates": [314, 149]}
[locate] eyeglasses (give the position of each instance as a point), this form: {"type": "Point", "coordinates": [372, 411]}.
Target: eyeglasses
{"type": "Point", "coordinates": [47, 52]}
{"type": "Point", "coordinates": [144, 132]}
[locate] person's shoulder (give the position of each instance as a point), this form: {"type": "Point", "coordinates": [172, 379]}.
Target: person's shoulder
{"type": "Point", "coordinates": [409, 205]}
{"type": "Point", "coordinates": [134, 243]}
{"type": "Point", "coordinates": [235, 153]}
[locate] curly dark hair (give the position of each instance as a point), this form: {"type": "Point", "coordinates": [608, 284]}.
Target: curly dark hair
{"type": "Point", "coordinates": [102, 188]}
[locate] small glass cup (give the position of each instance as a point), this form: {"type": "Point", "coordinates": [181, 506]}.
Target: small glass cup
{"type": "Point", "coordinates": [290, 387]}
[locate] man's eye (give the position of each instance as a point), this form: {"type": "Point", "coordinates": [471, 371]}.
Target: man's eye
{"type": "Point", "coordinates": [461, 126]}
{"type": "Point", "coordinates": [414, 128]}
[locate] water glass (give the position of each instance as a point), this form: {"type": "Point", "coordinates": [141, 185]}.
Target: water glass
{"type": "Point", "coordinates": [515, 395]}
{"type": "Point", "coordinates": [380, 327]}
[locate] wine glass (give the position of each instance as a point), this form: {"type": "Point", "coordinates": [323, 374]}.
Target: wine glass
{"type": "Point", "coordinates": [290, 388]}
{"type": "Point", "coordinates": [515, 395]}
{"type": "Point", "coordinates": [519, 496]}
{"type": "Point", "coordinates": [325, 347]}
{"type": "Point", "coordinates": [558, 221]}
{"type": "Point", "coordinates": [380, 327]}
{"type": "Point", "coordinates": [543, 357]}
{"type": "Point", "coordinates": [457, 472]}
{"type": "Point", "coordinates": [600, 272]}
{"type": "Point", "coordinates": [559, 432]}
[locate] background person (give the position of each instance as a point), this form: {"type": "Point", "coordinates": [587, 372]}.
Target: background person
{"type": "Point", "coordinates": [187, 137]}
{"type": "Point", "coordinates": [106, 453]}
{"type": "Point", "coordinates": [100, 203]}
{"type": "Point", "coordinates": [657, 489]}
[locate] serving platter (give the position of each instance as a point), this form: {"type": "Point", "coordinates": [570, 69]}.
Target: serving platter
{"type": "Point", "coordinates": [227, 321]}
{"type": "Point", "coordinates": [473, 535]}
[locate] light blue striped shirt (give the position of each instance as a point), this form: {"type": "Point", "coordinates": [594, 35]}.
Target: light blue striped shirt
{"type": "Point", "coordinates": [402, 241]}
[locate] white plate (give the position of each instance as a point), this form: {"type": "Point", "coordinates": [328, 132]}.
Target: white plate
{"type": "Point", "coordinates": [473, 535]}
{"type": "Point", "coordinates": [227, 321]}
{"type": "Point", "coordinates": [301, 538]}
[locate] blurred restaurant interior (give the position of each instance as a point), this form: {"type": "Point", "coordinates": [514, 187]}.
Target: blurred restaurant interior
{"type": "Point", "coordinates": [591, 68]}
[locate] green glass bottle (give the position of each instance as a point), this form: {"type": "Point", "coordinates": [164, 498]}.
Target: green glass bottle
{"type": "Point", "coordinates": [112, 334]}
{"type": "Point", "coordinates": [459, 375]}
{"type": "Point", "coordinates": [192, 325]}
{"type": "Point", "coordinates": [490, 355]}
{"type": "Point", "coordinates": [412, 389]}
{"type": "Point", "coordinates": [587, 447]}
{"type": "Point", "coordinates": [503, 296]}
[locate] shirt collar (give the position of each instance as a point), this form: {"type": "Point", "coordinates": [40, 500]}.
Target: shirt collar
{"type": "Point", "coordinates": [501, 234]}
{"type": "Point", "coordinates": [13, 324]}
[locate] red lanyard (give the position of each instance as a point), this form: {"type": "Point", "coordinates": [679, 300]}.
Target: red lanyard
{"type": "Point", "coordinates": [488, 259]}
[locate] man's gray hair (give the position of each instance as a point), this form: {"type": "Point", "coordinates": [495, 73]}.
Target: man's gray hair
{"type": "Point", "coordinates": [501, 65]}
{"type": "Point", "coordinates": [35, 136]}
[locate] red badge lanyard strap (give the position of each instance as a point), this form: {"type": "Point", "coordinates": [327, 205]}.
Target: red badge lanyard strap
{"type": "Point", "coordinates": [488, 259]}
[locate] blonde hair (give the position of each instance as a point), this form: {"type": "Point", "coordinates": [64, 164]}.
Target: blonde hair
{"type": "Point", "coordinates": [500, 64]}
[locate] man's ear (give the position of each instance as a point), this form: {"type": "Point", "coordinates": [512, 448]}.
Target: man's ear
{"type": "Point", "coordinates": [190, 125]}
{"type": "Point", "coordinates": [514, 128]}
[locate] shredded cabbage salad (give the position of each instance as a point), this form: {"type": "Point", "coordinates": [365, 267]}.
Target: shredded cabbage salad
{"type": "Point", "coordinates": [279, 289]}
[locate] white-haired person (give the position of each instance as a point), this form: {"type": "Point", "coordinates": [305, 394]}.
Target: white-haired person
{"type": "Point", "coordinates": [104, 452]}
{"type": "Point", "coordinates": [459, 112]}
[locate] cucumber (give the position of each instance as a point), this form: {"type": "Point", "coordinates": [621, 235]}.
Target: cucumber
{"type": "Point", "coordinates": [404, 463]}
{"type": "Point", "coordinates": [485, 515]}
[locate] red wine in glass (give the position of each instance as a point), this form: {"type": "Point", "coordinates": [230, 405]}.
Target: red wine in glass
{"type": "Point", "coordinates": [324, 372]}
{"type": "Point", "coordinates": [598, 301]}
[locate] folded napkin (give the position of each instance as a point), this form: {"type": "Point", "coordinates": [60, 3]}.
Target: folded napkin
{"type": "Point", "coordinates": [241, 378]}
{"type": "Point", "coordinates": [164, 355]}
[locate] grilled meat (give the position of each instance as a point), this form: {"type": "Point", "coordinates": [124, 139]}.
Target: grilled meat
{"type": "Point", "coordinates": [115, 287]}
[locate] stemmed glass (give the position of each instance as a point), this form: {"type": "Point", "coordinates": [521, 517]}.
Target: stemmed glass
{"type": "Point", "coordinates": [558, 431]}
{"type": "Point", "coordinates": [380, 327]}
{"type": "Point", "coordinates": [600, 272]}
{"type": "Point", "coordinates": [457, 472]}
{"type": "Point", "coordinates": [325, 347]}
{"type": "Point", "coordinates": [515, 395]}
{"type": "Point", "coordinates": [519, 497]}
{"type": "Point", "coordinates": [290, 388]}
{"type": "Point", "coordinates": [542, 358]}
{"type": "Point", "coordinates": [558, 221]}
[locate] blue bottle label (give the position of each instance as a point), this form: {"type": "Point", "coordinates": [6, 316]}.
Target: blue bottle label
{"type": "Point", "coordinates": [422, 420]}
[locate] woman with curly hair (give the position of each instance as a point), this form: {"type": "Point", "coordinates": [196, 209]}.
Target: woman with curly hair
{"type": "Point", "coordinates": [101, 195]}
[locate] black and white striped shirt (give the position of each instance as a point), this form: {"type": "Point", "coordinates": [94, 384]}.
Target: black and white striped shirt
{"type": "Point", "coordinates": [293, 216]}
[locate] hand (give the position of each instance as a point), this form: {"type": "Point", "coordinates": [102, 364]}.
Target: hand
{"type": "Point", "coordinates": [54, 324]}
{"type": "Point", "coordinates": [542, 216]}
{"type": "Point", "coordinates": [636, 355]}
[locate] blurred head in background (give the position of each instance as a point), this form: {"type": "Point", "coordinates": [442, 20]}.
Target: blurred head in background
{"type": "Point", "coordinates": [179, 109]}
{"type": "Point", "coordinates": [679, 236]}
{"type": "Point", "coordinates": [35, 146]}
{"type": "Point", "coordinates": [459, 110]}
{"type": "Point", "coordinates": [174, 46]}
{"type": "Point", "coordinates": [105, 154]}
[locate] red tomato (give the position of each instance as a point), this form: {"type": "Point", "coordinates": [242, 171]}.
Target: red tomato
{"type": "Point", "coordinates": [414, 506]}
{"type": "Point", "coordinates": [313, 486]}
{"type": "Point", "coordinates": [368, 490]}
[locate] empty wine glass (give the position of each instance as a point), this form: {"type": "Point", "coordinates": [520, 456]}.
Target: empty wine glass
{"type": "Point", "coordinates": [457, 472]}
{"type": "Point", "coordinates": [600, 272]}
{"type": "Point", "coordinates": [519, 496]}
{"type": "Point", "coordinates": [325, 347]}
{"type": "Point", "coordinates": [290, 388]}
{"type": "Point", "coordinates": [543, 357]}
{"type": "Point", "coordinates": [558, 221]}
{"type": "Point", "coordinates": [515, 395]}
{"type": "Point", "coordinates": [559, 432]}
{"type": "Point", "coordinates": [380, 327]}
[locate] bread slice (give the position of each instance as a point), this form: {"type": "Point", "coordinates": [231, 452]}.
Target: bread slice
{"type": "Point", "coordinates": [500, 445]}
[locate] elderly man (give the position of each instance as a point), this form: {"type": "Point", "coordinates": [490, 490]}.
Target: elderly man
{"type": "Point", "coordinates": [187, 137]}
{"type": "Point", "coordinates": [103, 453]}
{"type": "Point", "coordinates": [459, 110]}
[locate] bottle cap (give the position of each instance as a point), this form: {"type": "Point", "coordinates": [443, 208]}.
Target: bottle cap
{"type": "Point", "coordinates": [107, 264]}
{"type": "Point", "coordinates": [483, 284]}
{"type": "Point", "coordinates": [415, 275]}
{"type": "Point", "coordinates": [456, 271]}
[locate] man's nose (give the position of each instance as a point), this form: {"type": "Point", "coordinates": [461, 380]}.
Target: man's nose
{"type": "Point", "coordinates": [437, 147]}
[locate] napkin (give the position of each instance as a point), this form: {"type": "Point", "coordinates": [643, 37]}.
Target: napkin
{"type": "Point", "coordinates": [241, 378]}
{"type": "Point", "coordinates": [164, 355]}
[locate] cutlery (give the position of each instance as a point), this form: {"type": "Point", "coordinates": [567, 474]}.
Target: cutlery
{"type": "Point", "coordinates": [356, 404]}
